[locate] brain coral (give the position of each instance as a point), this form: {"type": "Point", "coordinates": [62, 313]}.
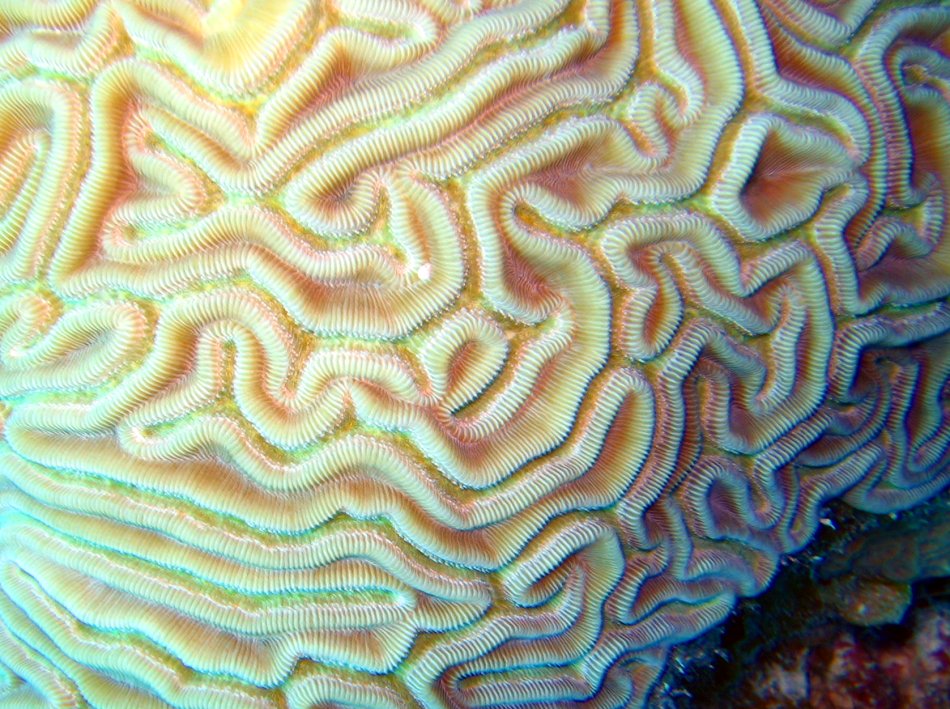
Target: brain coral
{"type": "Point", "coordinates": [426, 353]}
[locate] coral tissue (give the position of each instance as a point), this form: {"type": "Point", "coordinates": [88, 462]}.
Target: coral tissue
{"type": "Point", "coordinates": [393, 353]}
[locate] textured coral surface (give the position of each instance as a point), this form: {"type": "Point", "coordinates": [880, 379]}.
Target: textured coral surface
{"type": "Point", "coordinates": [840, 670]}
{"type": "Point", "coordinates": [844, 624]}
{"type": "Point", "coordinates": [384, 353]}
{"type": "Point", "coordinates": [838, 667]}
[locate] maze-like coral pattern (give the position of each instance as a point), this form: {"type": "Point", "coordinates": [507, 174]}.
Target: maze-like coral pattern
{"type": "Point", "coordinates": [379, 353]}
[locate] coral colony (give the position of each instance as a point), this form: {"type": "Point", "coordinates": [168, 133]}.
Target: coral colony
{"type": "Point", "coordinates": [383, 353]}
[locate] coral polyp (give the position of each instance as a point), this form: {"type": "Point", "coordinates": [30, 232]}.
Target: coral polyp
{"type": "Point", "coordinates": [392, 353]}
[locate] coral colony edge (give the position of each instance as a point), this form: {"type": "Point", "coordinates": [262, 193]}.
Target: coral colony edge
{"type": "Point", "coordinates": [393, 353]}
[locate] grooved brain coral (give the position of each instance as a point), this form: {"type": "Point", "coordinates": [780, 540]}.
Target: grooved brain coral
{"type": "Point", "coordinates": [392, 354]}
